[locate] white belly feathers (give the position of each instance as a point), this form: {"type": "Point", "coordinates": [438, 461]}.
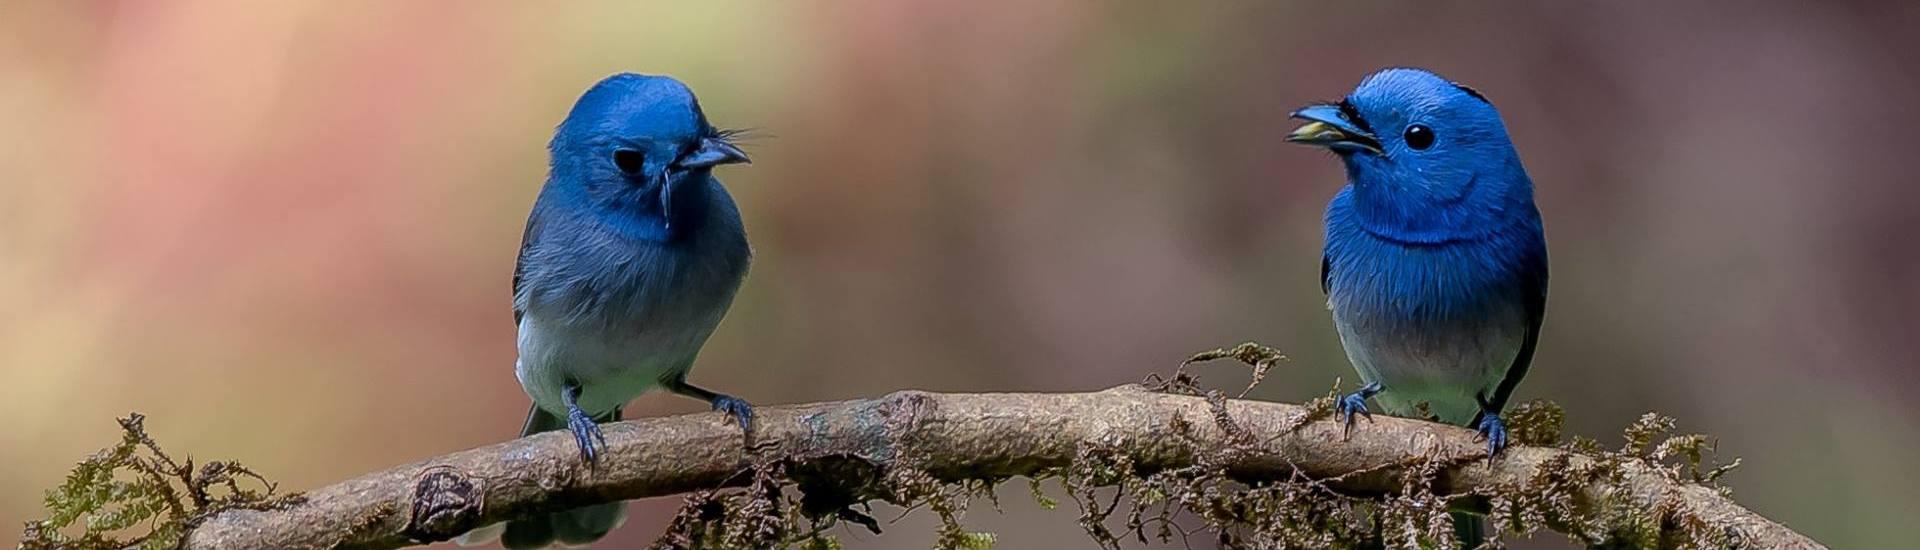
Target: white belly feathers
{"type": "Point", "coordinates": [1443, 366]}
{"type": "Point", "coordinates": [613, 364]}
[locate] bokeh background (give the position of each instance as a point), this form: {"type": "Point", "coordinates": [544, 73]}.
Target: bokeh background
{"type": "Point", "coordinates": [284, 230]}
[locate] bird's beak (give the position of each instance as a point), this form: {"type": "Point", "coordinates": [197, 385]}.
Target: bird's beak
{"type": "Point", "coordinates": [1327, 127]}
{"type": "Point", "coordinates": [713, 152]}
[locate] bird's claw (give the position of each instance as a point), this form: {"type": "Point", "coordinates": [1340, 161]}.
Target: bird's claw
{"type": "Point", "coordinates": [586, 433]}
{"type": "Point", "coordinates": [1493, 430]}
{"type": "Point", "coordinates": [736, 408]}
{"type": "Point", "coordinates": [1356, 402]}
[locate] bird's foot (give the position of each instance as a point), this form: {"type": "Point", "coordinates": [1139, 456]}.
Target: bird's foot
{"type": "Point", "coordinates": [736, 408]}
{"type": "Point", "coordinates": [586, 433]}
{"type": "Point", "coordinates": [733, 406]}
{"type": "Point", "coordinates": [1356, 402]}
{"type": "Point", "coordinates": [1493, 430]}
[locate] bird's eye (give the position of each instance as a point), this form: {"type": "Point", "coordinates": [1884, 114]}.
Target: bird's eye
{"type": "Point", "coordinates": [1419, 136]}
{"type": "Point", "coordinates": [629, 160]}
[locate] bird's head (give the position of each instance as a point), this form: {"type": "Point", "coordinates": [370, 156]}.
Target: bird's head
{"type": "Point", "coordinates": [1422, 152]}
{"type": "Point", "coordinates": [632, 143]}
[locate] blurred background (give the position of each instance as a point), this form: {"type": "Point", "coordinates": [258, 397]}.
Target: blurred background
{"type": "Point", "coordinates": [273, 228]}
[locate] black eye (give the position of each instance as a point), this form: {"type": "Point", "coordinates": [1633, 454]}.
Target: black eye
{"type": "Point", "coordinates": [629, 161]}
{"type": "Point", "coordinates": [1419, 136]}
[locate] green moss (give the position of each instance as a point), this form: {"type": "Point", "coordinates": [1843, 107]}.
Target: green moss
{"type": "Point", "coordinates": [133, 495]}
{"type": "Point", "coordinates": [1261, 358]}
{"type": "Point", "coordinates": [1536, 423]}
{"type": "Point", "coordinates": [1560, 493]}
{"type": "Point", "coordinates": [1040, 496]}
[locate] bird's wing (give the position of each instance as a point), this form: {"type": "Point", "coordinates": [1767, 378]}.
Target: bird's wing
{"type": "Point", "coordinates": [1326, 265]}
{"type": "Point", "coordinates": [520, 264]}
{"type": "Point", "coordinates": [1533, 276]}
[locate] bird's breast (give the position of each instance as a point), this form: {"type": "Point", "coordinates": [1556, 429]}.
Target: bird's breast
{"type": "Point", "coordinates": [593, 276]}
{"type": "Point", "coordinates": [1433, 324]}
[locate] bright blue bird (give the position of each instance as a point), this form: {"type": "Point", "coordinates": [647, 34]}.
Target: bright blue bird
{"type": "Point", "coordinates": [630, 258]}
{"type": "Point", "coordinates": [1435, 264]}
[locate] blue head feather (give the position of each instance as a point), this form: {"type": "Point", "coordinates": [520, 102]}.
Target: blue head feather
{"type": "Point", "coordinates": [630, 148]}
{"type": "Point", "coordinates": [1428, 160]}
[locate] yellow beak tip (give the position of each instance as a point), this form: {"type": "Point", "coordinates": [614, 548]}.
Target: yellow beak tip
{"type": "Point", "coordinates": [1315, 131]}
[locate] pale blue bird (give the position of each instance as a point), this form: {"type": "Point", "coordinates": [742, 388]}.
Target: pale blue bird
{"type": "Point", "coordinates": [1435, 266]}
{"type": "Point", "coordinates": [630, 258]}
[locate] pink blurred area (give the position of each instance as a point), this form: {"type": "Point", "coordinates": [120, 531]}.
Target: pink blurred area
{"type": "Point", "coordinates": [284, 231]}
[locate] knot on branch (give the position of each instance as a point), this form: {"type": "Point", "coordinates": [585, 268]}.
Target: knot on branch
{"type": "Point", "coordinates": [902, 411]}
{"type": "Point", "coordinates": [446, 503]}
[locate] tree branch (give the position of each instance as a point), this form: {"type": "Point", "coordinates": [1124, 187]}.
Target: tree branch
{"type": "Point", "coordinates": [952, 437]}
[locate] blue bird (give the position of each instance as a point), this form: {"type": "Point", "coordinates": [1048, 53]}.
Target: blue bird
{"type": "Point", "coordinates": [631, 256]}
{"type": "Point", "coordinates": [1435, 265]}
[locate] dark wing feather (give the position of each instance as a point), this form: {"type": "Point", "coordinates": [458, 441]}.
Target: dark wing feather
{"type": "Point", "coordinates": [1534, 288]}
{"type": "Point", "coordinates": [1326, 265]}
{"type": "Point", "coordinates": [520, 264]}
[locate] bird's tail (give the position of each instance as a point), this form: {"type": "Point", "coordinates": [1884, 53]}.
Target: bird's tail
{"type": "Point", "coordinates": [574, 527]}
{"type": "Point", "coordinates": [1469, 529]}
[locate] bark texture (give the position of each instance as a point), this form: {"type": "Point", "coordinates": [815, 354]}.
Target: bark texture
{"type": "Point", "coordinates": [952, 437]}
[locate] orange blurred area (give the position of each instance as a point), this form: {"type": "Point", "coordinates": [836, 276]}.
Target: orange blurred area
{"type": "Point", "coordinates": [284, 231]}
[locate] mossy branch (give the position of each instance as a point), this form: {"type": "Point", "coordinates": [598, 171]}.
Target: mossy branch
{"type": "Point", "coordinates": [1297, 477]}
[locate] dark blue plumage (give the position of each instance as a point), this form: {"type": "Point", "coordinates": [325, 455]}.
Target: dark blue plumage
{"type": "Point", "coordinates": [631, 256]}
{"type": "Point", "coordinates": [1435, 265]}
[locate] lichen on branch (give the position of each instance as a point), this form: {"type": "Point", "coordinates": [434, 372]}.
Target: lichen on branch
{"type": "Point", "coordinates": [134, 495]}
{"type": "Point", "coordinates": [1140, 465]}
